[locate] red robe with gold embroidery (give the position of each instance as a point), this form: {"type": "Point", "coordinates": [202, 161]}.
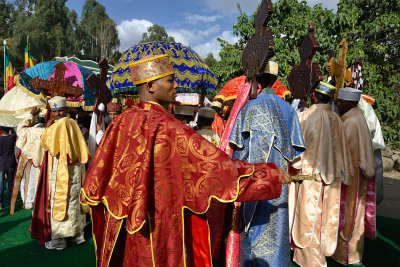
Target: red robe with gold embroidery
{"type": "Point", "coordinates": [154, 177]}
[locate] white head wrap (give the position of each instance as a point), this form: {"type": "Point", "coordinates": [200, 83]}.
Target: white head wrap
{"type": "Point", "coordinates": [349, 94]}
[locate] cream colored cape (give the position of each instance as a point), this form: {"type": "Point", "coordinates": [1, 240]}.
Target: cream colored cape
{"type": "Point", "coordinates": [359, 142]}
{"type": "Point", "coordinates": [314, 205]}
{"type": "Point", "coordinates": [29, 141]}
{"type": "Point", "coordinates": [351, 242]}
{"type": "Point", "coordinates": [373, 124]}
{"type": "Point", "coordinates": [327, 152]}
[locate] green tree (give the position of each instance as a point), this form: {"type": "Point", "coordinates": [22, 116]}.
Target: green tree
{"type": "Point", "coordinates": [372, 32]}
{"type": "Point", "coordinates": [5, 19]}
{"type": "Point", "coordinates": [156, 33]}
{"type": "Point", "coordinates": [5, 30]}
{"type": "Point", "coordinates": [210, 60]}
{"type": "Point", "coordinates": [98, 33]}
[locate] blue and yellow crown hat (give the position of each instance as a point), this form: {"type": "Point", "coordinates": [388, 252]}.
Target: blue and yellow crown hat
{"type": "Point", "coordinates": [326, 89]}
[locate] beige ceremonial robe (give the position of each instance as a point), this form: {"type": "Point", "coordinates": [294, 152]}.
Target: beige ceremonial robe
{"type": "Point", "coordinates": [75, 220]}
{"type": "Point", "coordinates": [314, 204]}
{"type": "Point", "coordinates": [68, 152]}
{"type": "Point", "coordinates": [350, 246]}
{"type": "Point", "coordinates": [30, 160]}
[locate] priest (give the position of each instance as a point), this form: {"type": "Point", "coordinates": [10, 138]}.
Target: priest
{"type": "Point", "coordinates": [314, 202]}
{"type": "Point", "coordinates": [31, 154]}
{"type": "Point", "coordinates": [68, 152]}
{"type": "Point", "coordinates": [358, 214]}
{"type": "Point", "coordinates": [267, 129]}
{"type": "Point", "coordinates": [152, 179]}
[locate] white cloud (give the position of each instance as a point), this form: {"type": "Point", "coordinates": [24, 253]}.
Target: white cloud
{"type": "Point", "coordinates": [196, 19]}
{"type": "Point", "coordinates": [213, 46]}
{"type": "Point", "coordinates": [189, 37]}
{"type": "Point", "coordinates": [130, 32]}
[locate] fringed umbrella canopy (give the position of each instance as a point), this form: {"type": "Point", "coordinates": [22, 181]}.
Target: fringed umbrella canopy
{"type": "Point", "coordinates": [230, 90]}
{"type": "Point", "coordinates": [191, 72]}
{"type": "Point", "coordinates": [75, 75]}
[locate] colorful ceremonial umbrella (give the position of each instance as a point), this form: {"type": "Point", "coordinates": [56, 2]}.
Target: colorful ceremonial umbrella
{"type": "Point", "coordinates": [16, 105]}
{"type": "Point", "coordinates": [230, 90]}
{"type": "Point", "coordinates": [191, 73]}
{"type": "Point", "coordinates": [280, 89]}
{"type": "Point", "coordinates": [75, 75]}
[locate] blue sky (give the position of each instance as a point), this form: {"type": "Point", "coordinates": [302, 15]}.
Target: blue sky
{"type": "Point", "coordinates": [197, 23]}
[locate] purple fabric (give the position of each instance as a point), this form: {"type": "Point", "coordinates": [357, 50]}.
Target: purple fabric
{"type": "Point", "coordinates": [72, 77]}
{"type": "Point", "coordinates": [7, 154]}
{"type": "Point", "coordinates": [370, 210]}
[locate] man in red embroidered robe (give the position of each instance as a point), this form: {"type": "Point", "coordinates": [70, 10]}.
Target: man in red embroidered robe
{"type": "Point", "coordinates": [152, 179]}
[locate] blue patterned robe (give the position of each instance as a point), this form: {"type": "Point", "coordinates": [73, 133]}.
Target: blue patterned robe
{"type": "Point", "coordinates": [267, 130]}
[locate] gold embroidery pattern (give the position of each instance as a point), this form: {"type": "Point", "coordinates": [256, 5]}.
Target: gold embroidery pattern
{"type": "Point", "coordinates": [177, 169]}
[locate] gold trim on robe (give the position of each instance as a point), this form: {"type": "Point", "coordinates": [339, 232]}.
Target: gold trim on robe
{"type": "Point", "coordinates": [64, 140]}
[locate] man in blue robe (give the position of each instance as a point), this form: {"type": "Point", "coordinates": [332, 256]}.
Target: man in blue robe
{"type": "Point", "coordinates": [267, 129]}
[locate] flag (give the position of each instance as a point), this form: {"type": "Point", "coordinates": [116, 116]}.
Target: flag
{"type": "Point", "coordinates": [9, 71]}
{"type": "Point", "coordinates": [30, 61]}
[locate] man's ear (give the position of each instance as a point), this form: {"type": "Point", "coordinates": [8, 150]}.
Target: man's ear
{"type": "Point", "coordinates": [150, 87]}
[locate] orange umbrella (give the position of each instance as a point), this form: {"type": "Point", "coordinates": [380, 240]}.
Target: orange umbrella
{"type": "Point", "coordinates": [280, 89]}
{"type": "Point", "coordinates": [231, 88]}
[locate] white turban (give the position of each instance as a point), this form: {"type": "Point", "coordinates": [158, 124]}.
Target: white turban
{"type": "Point", "coordinates": [349, 94]}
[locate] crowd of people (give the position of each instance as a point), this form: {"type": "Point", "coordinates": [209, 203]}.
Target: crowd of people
{"type": "Point", "coordinates": [250, 181]}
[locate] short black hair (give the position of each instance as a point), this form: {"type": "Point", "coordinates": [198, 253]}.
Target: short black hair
{"type": "Point", "coordinates": [266, 79]}
{"type": "Point", "coordinates": [322, 98]}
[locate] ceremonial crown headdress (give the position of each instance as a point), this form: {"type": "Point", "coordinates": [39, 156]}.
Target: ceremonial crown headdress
{"type": "Point", "coordinates": [326, 89]}
{"type": "Point", "coordinates": [114, 106]}
{"type": "Point", "coordinates": [151, 68]}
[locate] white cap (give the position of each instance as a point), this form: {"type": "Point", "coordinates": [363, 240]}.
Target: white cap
{"type": "Point", "coordinates": [349, 94]}
{"type": "Point", "coordinates": [57, 102]}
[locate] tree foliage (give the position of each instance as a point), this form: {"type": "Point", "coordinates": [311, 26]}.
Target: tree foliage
{"type": "Point", "coordinates": [210, 60]}
{"type": "Point", "coordinates": [97, 31]}
{"type": "Point", "coordinates": [156, 33]}
{"type": "Point", "coordinates": [372, 29]}
{"type": "Point", "coordinates": [55, 30]}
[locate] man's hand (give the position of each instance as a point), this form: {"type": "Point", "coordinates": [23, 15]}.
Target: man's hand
{"type": "Point", "coordinates": [35, 111]}
{"type": "Point", "coordinates": [50, 122]}
{"type": "Point", "coordinates": [285, 177]}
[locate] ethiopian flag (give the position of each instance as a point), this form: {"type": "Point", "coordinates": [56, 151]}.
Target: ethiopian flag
{"type": "Point", "coordinates": [9, 71]}
{"type": "Point", "coordinates": [30, 61]}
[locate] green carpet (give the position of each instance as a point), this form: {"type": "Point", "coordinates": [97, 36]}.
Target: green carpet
{"type": "Point", "coordinates": [18, 249]}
